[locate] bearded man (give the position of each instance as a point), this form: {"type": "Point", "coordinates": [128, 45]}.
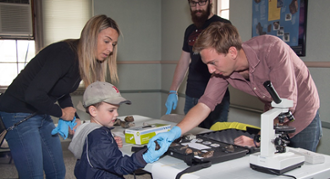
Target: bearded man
{"type": "Point", "coordinates": [198, 74]}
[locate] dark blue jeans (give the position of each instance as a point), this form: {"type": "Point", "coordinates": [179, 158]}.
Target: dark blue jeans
{"type": "Point", "coordinates": [220, 113]}
{"type": "Point", "coordinates": [33, 148]}
{"type": "Point", "coordinates": [310, 137]}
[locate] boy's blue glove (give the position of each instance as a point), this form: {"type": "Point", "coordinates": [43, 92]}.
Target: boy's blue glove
{"type": "Point", "coordinates": [166, 137]}
{"type": "Point", "coordinates": [172, 101]}
{"type": "Point", "coordinates": [63, 127]}
{"type": "Point", "coordinates": [152, 154]}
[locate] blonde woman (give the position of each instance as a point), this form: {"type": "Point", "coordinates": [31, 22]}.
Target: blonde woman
{"type": "Point", "coordinates": [44, 88]}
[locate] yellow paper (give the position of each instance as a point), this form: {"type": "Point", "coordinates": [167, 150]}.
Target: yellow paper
{"type": "Point", "coordinates": [274, 13]}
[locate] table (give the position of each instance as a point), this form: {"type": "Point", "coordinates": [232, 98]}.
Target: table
{"type": "Point", "coordinates": [168, 167]}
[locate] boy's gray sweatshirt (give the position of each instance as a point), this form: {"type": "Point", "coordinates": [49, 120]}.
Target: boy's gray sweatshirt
{"type": "Point", "coordinates": [79, 138]}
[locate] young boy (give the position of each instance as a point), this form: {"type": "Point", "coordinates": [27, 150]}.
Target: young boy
{"type": "Point", "coordinates": [93, 144]}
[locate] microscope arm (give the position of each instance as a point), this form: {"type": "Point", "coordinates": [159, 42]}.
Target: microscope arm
{"type": "Point", "coordinates": [267, 120]}
{"type": "Point", "coordinates": [268, 132]}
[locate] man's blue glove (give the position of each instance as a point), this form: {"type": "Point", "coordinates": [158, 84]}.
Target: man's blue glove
{"type": "Point", "coordinates": [164, 140]}
{"type": "Point", "coordinates": [166, 137]}
{"type": "Point", "coordinates": [152, 154]}
{"type": "Point", "coordinates": [63, 127]}
{"type": "Point", "coordinates": [172, 101]}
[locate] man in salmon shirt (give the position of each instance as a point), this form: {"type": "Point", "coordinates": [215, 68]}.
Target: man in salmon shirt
{"type": "Point", "coordinates": [246, 66]}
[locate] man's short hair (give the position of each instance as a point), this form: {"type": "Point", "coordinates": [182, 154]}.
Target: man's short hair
{"type": "Point", "coordinates": [220, 36]}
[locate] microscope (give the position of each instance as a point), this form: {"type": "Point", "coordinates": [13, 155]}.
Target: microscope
{"type": "Point", "coordinates": [273, 157]}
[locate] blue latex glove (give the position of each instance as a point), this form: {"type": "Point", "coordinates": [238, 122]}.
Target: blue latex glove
{"type": "Point", "coordinates": [172, 101]}
{"type": "Point", "coordinates": [164, 139]}
{"type": "Point", "coordinates": [72, 123]}
{"type": "Point", "coordinates": [153, 155]}
{"type": "Point", "coordinates": [63, 127]}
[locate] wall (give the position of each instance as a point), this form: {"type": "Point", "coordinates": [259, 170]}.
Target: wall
{"type": "Point", "coordinates": [139, 52]}
{"type": "Point", "coordinates": [175, 20]}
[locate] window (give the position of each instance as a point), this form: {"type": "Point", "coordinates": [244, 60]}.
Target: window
{"type": "Point", "coordinates": [223, 8]}
{"type": "Point", "coordinates": [14, 55]}
{"type": "Point", "coordinates": [62, 19]}
{"type": "Point", "coordinates": [17, 45]}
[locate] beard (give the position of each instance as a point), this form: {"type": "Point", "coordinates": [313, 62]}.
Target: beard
{"type": "Point", "coordinates": [199, 21]}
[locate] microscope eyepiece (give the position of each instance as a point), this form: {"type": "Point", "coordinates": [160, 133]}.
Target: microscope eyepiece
{"type": "Point", "coordinates": [269, 86]}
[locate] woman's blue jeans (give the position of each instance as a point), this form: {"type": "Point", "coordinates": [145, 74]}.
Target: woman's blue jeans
{"type": "Point", "coordinates": [310, 137]}
{"type": "Point", "coordinates": [33, 148]}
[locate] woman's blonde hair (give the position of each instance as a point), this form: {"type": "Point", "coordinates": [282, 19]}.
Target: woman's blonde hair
{"type": "Point", "coordinates": [220, 36]}
{"type": "Point", "coordinates": [92, 70]}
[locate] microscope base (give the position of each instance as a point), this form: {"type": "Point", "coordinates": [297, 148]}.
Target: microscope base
{"type": "Point", "coordinates": [277, 164]}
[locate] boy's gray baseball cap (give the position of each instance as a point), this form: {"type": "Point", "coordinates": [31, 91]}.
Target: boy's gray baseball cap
{"type": "Point", "coordinates": [102, 92]}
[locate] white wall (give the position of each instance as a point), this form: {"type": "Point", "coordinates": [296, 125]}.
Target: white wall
{"type": "Point", "coordinates": [175, 20]}
{"type": "Point", "coordinates": [140, 25]}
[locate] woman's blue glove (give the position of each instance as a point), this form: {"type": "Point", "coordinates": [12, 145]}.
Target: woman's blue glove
{"type": "Point", "coordinates": [152, 154]}
{"type": "Point", "coordinates": [172, 101]}
{"type": "Point", "coordinates": [166, 137]}
{"type": "Point", "coordinates": [63, 127]}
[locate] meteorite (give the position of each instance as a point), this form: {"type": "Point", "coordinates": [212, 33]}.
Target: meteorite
{"type": "Point", "coordinates": [129, 119]}
{"type": "Point", "coordinates": [208, 154]}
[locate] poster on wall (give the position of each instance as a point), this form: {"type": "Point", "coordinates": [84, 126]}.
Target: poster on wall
{"type": "Point", "coordinates": [285, 19]}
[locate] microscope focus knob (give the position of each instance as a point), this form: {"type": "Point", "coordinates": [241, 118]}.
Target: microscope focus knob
{"type": "Point", "coordinates": [280, 145]}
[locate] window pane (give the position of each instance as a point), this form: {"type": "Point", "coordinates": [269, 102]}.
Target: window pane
{"type": "Point", "coordinates": [26, 50]}
{"type": "Point", "coordinates": [8, 71]}
{"type": "Point", "coordinates": [223, 8]}
{"type": "Point", "coordinates": [224, 4]}
{"type": "Point", "coordinates": [11, 63]}
{"type": "Point", "coordinates": [224, 14]}
{"type": "Point", "coordinates": [7, 51]}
